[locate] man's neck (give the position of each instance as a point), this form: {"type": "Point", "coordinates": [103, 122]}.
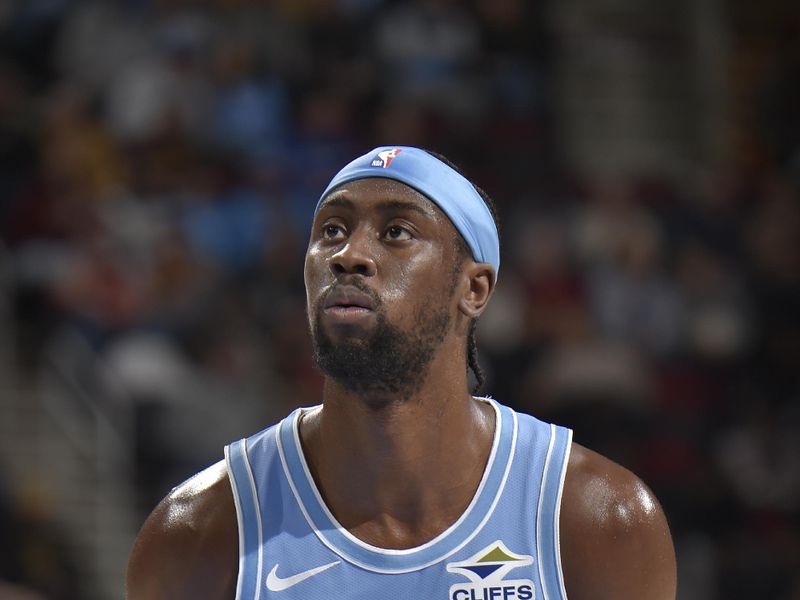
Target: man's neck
{"type": "Point", "coordinates": [399, 473]}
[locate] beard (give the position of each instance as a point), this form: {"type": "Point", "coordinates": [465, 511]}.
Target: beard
{"type": "Point", "coordinates": [387, 364]}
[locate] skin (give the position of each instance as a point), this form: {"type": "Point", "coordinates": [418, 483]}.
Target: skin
{"type": "Point", "coordinates": [375, 474]}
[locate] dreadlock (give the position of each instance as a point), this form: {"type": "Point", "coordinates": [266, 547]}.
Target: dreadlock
{"type": "Point", "coordinates": [463, 252]}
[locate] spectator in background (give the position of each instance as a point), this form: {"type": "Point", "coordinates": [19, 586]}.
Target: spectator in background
{"type": "Point", "coordinates": [34, 564]}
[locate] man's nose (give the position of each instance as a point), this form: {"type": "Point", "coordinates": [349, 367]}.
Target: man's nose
{"type": "Point", "coordinates": [357, 256]}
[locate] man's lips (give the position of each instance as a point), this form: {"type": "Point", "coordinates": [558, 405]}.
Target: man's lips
{"type": "Point", "coordinates": [348, 299]}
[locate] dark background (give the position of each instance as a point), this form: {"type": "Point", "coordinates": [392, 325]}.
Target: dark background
{"type": "Point", "coordinates": [159, 163]}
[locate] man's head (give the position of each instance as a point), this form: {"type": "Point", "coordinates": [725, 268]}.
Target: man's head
{"type": "Point", "coordinates": [388, 282]}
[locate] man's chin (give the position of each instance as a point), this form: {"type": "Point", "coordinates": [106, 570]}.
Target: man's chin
{"type": "Point", "coordinates": [345, 339]}
{"type": "Point", "coordinates": [377, 358]}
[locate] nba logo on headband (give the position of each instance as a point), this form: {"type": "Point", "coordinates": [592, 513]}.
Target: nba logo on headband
{"type": "Point", "coordinates": [385, 158]}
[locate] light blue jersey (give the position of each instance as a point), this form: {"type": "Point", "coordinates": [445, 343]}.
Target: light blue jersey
{"type": "Point", "coordinates": [504, 547]}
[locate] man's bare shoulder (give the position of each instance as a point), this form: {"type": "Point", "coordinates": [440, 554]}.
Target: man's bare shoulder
{"type": "Point", "coordinates": [615, 541]}
{"type": "Point", "coordinates": [188, 547]}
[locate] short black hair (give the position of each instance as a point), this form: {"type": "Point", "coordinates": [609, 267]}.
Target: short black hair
{"type": "Point", "coordinates": [463, 252]}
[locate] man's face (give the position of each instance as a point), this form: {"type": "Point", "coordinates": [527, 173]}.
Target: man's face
{"type": "Point", "coordinates": [379, 272]}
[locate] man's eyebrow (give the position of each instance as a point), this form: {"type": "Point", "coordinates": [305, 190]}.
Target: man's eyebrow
{"type": "Point", "coordinates": [337, 201]}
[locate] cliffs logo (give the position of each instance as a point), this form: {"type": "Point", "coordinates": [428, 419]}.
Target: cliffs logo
{"type": "Point", "coordinates": [385, 158]}
{"type": "Point", "coordinates": [486, 571]}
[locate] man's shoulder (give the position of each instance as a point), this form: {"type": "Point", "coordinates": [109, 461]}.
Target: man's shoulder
{"type": "Point", "coordinates": [202, 502]}
{"type": "Point", "coordinates": [188, 547]}
{"type": "Point", "coordinates": [602, 494]}
{"type": "Point", "coordinates": [615, 541]}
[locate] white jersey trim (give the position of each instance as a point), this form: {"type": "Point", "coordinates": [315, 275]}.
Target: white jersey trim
{"type": "Point", "coordinates": [239, 522]}
{"type": "Point", "coordinates": [390, 551]}
{"type": "Point", "coordinates": [240, 448]}
{"type": "Point", "coordinates": [548, 542]}
{"type": "Point", "coordinates": [260, 572]}
{"type": "Point", "coordinates": [562, 478]}
{"type": "Point", "coordinates": [539, 549]}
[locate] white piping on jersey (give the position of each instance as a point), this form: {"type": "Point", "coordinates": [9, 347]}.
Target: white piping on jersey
{"type": "Point", "coordinates": [543, 545]}
{"type": "Point", "coordinates": [239, 522]}
{"type": "Point", "coordinates": [539, 544]}
{"type": "Point", "coordinates": [260, 571]}
{"type": "Point", "coordinates": [558, 513]}
{"type": "Point", "coordinates": [394, 551]}
{"type": "Point", "coordinates": [391, 551]}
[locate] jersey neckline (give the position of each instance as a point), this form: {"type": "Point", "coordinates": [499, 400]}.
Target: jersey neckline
{"type": "Point", "coordinates": [387, 560]}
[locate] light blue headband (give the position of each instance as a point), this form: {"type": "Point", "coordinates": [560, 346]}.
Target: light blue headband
{"type": "Point", "coordinates": [448, 189]}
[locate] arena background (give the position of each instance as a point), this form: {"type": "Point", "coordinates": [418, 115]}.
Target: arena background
{"type": "Point", "coordinates": [159, 161]}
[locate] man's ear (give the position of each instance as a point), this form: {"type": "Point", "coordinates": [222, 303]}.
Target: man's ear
{"type": "Point", "coordinates": [480, 278]}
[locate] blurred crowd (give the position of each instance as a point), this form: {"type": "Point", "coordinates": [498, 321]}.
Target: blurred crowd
{"type": "Point", "coordinates": [159, 163]}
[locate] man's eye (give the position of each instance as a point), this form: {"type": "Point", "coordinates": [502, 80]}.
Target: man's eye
{"type": "Point", "coordinates": [332, 232]}
{"type": "Point", "coordinates": [395, 232]}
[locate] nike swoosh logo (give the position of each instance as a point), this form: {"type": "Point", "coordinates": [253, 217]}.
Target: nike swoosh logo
{"type": "Point", "coordinates": [278, 584]}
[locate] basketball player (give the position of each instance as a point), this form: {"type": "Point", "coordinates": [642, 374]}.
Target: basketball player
{"type": "Point", "coordinates": [402, 484]}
